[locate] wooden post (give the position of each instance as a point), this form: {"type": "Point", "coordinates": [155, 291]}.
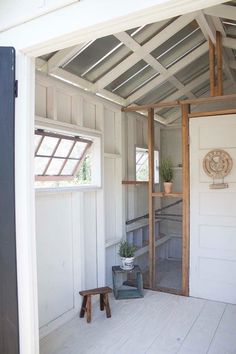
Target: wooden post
{"type": "Point", "coordinates": [212, 67]}
{"type": "Point", "coordinates": [150, 198]}
{"type": "Point", "coordinates": [186, 192]}
{"type": "Point", "coordinates": [219, 64]}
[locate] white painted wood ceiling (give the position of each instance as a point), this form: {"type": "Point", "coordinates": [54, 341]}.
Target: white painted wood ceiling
{"type": "Point", "coordinates": [161, 61]}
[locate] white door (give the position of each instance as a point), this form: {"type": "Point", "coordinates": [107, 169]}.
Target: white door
{"type": "Point", "coordinates": [212, 213]}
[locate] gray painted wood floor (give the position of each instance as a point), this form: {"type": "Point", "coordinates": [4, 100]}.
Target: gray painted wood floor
{"type": "Point", "coordinates": [157, 324]}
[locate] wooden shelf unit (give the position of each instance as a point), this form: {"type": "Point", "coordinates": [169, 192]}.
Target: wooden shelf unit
{"type": "Point", "coordinates": [165, 195]}
{"type": "Point", "coordinates": [135, 182]}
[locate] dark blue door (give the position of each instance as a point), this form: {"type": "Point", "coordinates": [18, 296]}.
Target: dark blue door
{"type": "Point", "coordinates": [9, 327]}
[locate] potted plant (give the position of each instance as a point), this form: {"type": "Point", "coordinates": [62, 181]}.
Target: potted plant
{"type": "Point", "coordinates": [126, 252]}
{"type": "Point", "coordinates": [167, 173]}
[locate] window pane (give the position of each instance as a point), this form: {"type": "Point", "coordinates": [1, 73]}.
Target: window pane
{"type": "Point", "coordinates": [141, 164]}
{"type": "Point", "coordinates": [78, 150]}
{"type": "Point", "coordinates": [64, 148]}
{"type": "Point", "coordinates": [69, 167]}
{"type": "Point", "coordinates": [47, 146]}
{"type": "Point", "coordinates": [40, 164]}
{"type": "Point", "coordinates": [54, 167]}
{"type": "Point", "coordinates": [156, 166]}
{"type": "Point", "coordinates": [37, 139]}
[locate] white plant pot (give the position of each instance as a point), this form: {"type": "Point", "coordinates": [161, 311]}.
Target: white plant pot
{"type": "Point", "coordinates": [127, 263]}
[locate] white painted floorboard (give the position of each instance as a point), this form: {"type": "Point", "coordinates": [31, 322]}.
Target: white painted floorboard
{"type": "Point", "coordinates": [159, 323]}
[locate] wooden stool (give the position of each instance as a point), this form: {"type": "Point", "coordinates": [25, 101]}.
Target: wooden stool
{"type": "Point", "coordinates": [87, 304]}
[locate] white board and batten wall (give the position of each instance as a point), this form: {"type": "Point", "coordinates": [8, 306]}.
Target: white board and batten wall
{"type": "Point", "coordinates": [74, 237]}
{"type": "Point", "coordinates": [213, 213]}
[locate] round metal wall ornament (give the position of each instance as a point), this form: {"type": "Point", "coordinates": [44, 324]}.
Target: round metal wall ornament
{"type": "Point", "coordinates": [217, 164]}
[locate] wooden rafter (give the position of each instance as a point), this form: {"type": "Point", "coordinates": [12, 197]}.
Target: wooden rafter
{"type": "Point", "coordinates": [189, 87]}
{"type": "Point", "coordinates": [224, 11]}
{"type": "Point", "coordinates": [63, 56]}
{"type": "Point", "coordinates": [88, 86]}
{"type": "Point", "coordinates": [149, 59]}
{"type": "Point", "coordinates": [171, 71]}
{"type": "Point", "coordinates": [147, 48]}
{"type": "Point", "coordinates": [209, 27]}
{"type": "Point", "coordinates": [175, 116]}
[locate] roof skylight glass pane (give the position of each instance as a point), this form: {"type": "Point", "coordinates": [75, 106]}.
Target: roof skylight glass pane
{"type": "Point", "coordinates": [230, 27]}
{"type": "Point", "coordinates": [91, 55]}
{"type": "Point", "coordinates": [145, 33]}
{"type": "Point", "coordinates": [132, 79]}
{"type": "Point", "coordinates": [193, 70]}
{"type": "Point", "coordinates": [158, 94]}
{"type": "Point", "coordinates": [48, 145]}
{"type": "Point", "coordinates": [179, 45]}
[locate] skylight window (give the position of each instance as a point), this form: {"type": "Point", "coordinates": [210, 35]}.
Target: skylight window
{"type": "Point", "coordinates": [59, 157]}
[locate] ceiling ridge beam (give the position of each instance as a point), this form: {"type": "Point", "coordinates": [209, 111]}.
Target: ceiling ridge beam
{"type": "Point", "coordinates": [196, 53]}
{"type": "Point", "coordinates": [148, 47]}
{"type": "Point", "coordinates": [225, 11]}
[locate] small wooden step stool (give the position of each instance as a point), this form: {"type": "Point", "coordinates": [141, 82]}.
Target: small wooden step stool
{"type": "Point", "coordinates": [87, 304]}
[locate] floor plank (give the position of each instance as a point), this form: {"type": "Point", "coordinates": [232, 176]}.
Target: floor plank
{"type": "Point", "coordinates": [158, 323]}
{"type": "Point", "coordinates": [224, 340]}
{"type": "Point", "coordinates": [178, 326]}
{"type": "Point", "coordinates": [202, 332]}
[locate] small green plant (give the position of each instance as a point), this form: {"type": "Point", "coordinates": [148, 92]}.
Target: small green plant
{"type": "Point", "coordinates": [166, 170]}
{"type": "Point", "coordinates": [126, 250]}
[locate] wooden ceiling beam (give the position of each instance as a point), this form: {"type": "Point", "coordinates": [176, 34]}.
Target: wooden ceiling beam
{"type": "Point", "coordinates": [149, 59]}
{"type": "Point", "coordinates": [63, 56]}
{"type": "Point", "coordinates": [137, 108]}
{"type": "Point", "coordinates": [170, 72]}
{"type": "Point", "coordinates": [87, 86]}
{"type": "Point", "coordinates": [174, 117]}
{"type": "Point", "coordinates": [209, 26]}
{"type": "Point", "coordinates": [147, 48]}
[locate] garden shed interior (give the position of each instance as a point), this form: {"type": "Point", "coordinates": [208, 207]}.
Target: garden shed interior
{"type": "Point", "coordinates": [158, 71]}
{"type": "Point", "coordinates": [109, 106]}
